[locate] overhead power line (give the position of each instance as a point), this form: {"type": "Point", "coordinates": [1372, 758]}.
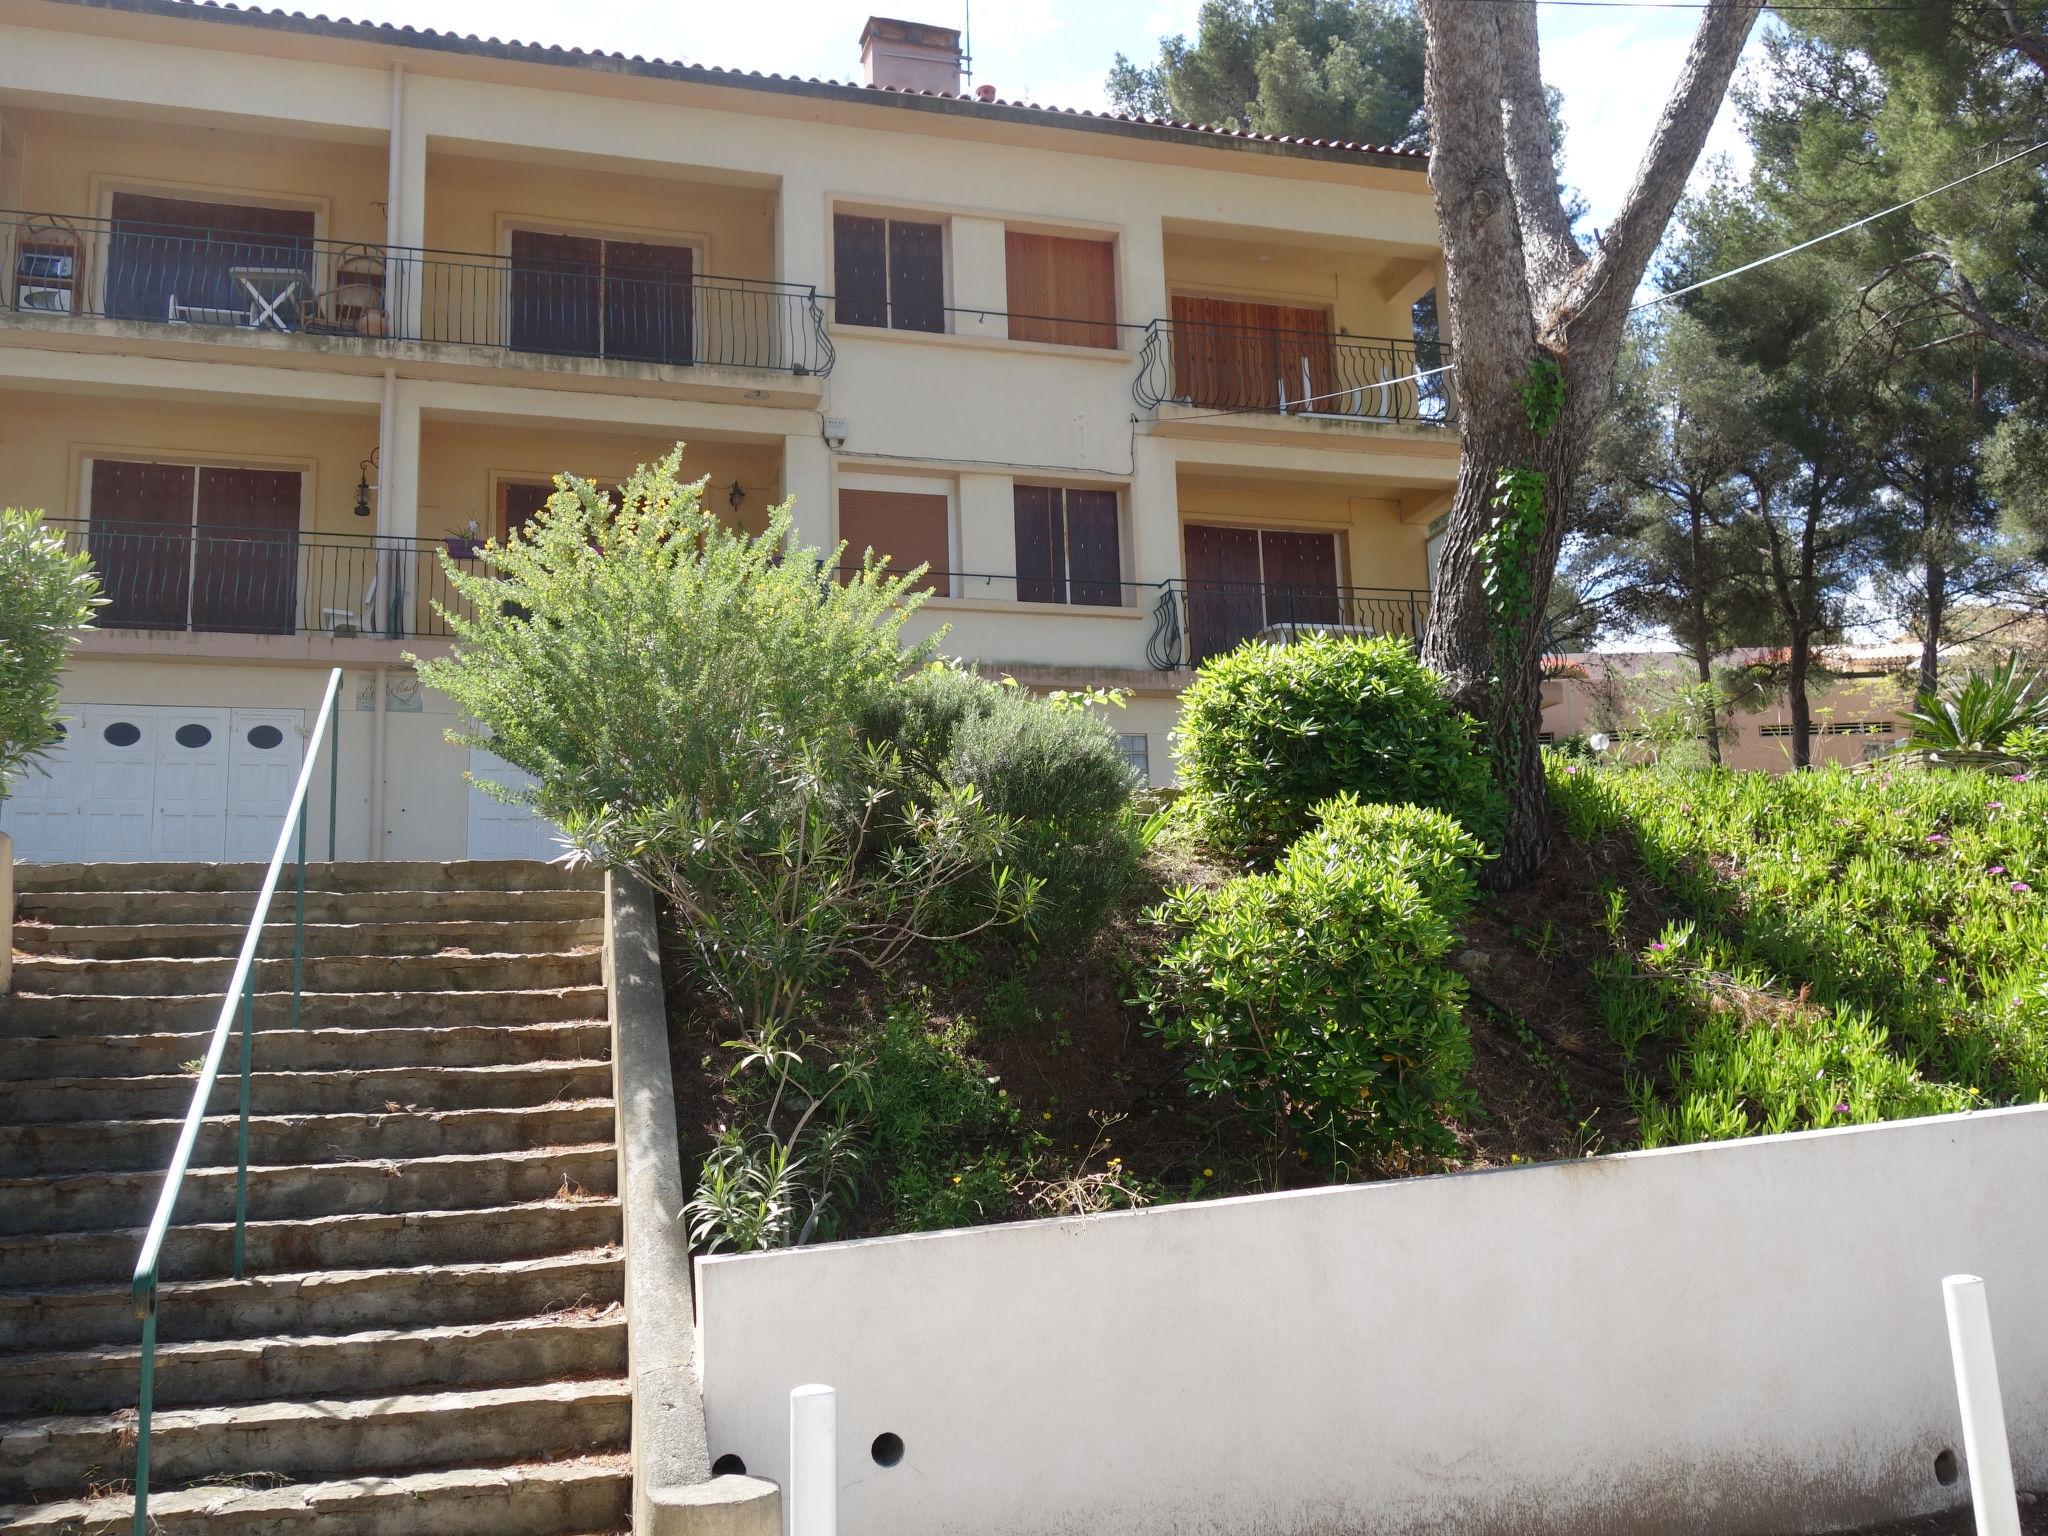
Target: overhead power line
{"type": "Point", "coordinates": [1678, 293]}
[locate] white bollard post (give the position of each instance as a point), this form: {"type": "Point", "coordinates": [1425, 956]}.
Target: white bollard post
{"type": "Point", "coordinates": [1984, 1444]}
{"type": "Point", "coordinates": [814, 1462]}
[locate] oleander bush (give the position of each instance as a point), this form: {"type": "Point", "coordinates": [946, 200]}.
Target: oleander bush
{"type": "Point", "coordinates": [47, 594]}
{"type": "Point", "coordinates": [1270, 732]}
{"type": "Point", "coordinates": [1315, 998]}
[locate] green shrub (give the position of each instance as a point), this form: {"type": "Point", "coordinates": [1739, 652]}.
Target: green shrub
{"type": "Point", "coordinates": [1268, 732]}
{"type": "Point", "coordinates": [935, 1114]}
{"type": "Point", "coordinates": [1315, 998]}
{"type": "Point", "coordinates": [1049, 767]}
{"type": "Point", "coordinates": [1968, 723]}
{"type": "Point", "coordinates": [46, 596]}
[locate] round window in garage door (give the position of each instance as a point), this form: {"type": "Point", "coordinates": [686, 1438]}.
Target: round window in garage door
{"type": "Point", "coordinates": [193, 736]}
{"type": "Point", "coordinates": [122, 733]}
{"type": "Point", "coordinates": [265, 738]}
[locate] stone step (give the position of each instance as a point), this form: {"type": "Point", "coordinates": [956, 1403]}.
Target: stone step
{"type": "Point", "coordinates": [83, 1146]}
{"type": "Point", "coordinates": [101, 1014]}
{"type": "Point", "coordinates": [314, 1437]}
{"type": "Point", "coordinates": [548, 1498]}
{"type": "Point", "coordinates": [58, 976]}
{"type": "Point", "coordinates": [283, 1049]}
{"type": "Point", "coordinates": [321, 906]}
{"type": "Point", "coordinates": [581, 1343]}
{"type": "Point", "coordinates": [91, 1202]}
{"type": "Point", "coordinates": [343, 875]}
{"type": "Point", "coordinates": [276, 1093]}
{"type": "Point", "coordinates": [212, 941]}
{"type": "Point", "coordinates": [487, 1234]}
{"type": "Point", "coordinates": [320, 1302]}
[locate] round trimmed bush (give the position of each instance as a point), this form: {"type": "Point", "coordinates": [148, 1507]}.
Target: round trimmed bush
{"type": "Point", "coordinates": [1268, 732]}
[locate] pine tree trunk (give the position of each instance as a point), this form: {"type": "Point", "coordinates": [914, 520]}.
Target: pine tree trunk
{"type": "Point", "coordinates": [1802, 711]}
{"type": "Point", "coordinates": [1937, 615]}
{"type": "Point", "coordinates": [1500, 684]}
{"type": "Point", "coordinates": [1702, 639]}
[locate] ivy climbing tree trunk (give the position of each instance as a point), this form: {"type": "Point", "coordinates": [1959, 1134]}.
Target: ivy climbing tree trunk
{"type": "Point", "coordinates": [1536, 326]}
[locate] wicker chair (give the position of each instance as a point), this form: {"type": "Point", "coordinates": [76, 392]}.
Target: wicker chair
{"type": "Point", "coordinates": [49, 266]}
{"type": "Point", "coordinates": [354, 305]}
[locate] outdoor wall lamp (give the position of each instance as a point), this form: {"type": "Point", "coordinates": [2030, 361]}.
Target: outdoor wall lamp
{"type": "Point", "coordinates": [736, 495]}
{"type": "Point", "coordinates": [363, 483]}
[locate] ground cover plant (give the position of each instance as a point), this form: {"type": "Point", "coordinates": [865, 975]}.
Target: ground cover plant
{"type": "Point", "coordinates": [1840, 946]}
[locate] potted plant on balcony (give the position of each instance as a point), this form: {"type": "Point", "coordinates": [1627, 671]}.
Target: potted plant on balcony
{"type": "Point", "coordinates": [467, 543]}
{"type": "Point", "coordinates": [47, 594]}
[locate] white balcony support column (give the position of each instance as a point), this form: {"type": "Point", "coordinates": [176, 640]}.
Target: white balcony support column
{"type": "Point", "coordinates": [398, 498]}
{"type": "Point", "coordinates": [1142, 255]}
{"type": "Point", "coordinates": [1155, 545]}
{"type": "Point", "coordinates": [807, 476]}
{"type": "Point", "coordinates": [988, 537]}
{"type": "Point", "coordinates": [405, 212]}
{"type": "Point", "coordinates": [980, 274]}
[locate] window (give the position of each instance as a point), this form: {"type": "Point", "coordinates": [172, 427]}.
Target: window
{"type": "Point", "coordinates": [1061, 289]}
{"type": "Point", "coordinates": [909, 528]}
{"type": "Point", "coordinates": [889, 272]}
{"type": "Point", "coordinates": [186, 546]}
{"type": "Point", "coordinates": [1136, 750]}
{"type": "Point", "coordinates": [1067, 546]}
{"type": "Point", "coordinates": [591, 297]}
{"type": "Point", "coordinates": [172, 258]}
{"type": "Point", "coordinates": [1246, 356]}
{"type": "Point", "coordinates": [1242, 581]}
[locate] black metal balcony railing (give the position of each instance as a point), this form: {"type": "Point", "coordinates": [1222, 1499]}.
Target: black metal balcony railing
{"type": "Point", "coordinates": [124, 270]}
{"type": "Point", "coordinates": [1294, 373]}
{"type": "Point", "coordinates": [1194, 620]}
{"type": "Point", "coordinates": [253, 581]}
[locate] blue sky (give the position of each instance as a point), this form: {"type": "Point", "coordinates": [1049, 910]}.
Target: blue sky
{"type": "Point", "coordinates": [1614, 66]}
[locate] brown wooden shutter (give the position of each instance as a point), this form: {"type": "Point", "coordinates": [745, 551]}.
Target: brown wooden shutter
{"type": "Point", "coordinates": [1301, 577]}
{"type": "Point", "coordinates": [1224, 606]}
{"type": "Point", "coordinates": [518, 502]}
{"type": "Point", "coordinates": [908, 527]}
{"type": "Point", "coordinates": [1094, 554]}
{"type": "Point", "coordinates": [173, 247]}
{"type": "Point", "coordinates": [1061, 289]}
{"type": "Point", "coordinates": [860, 269]}
{"type": "Point", "coordinates": [141, 542]}
{"type": "Point", "coordinates": [649, 301]}
{"type": "Point", "coordinates": [246, 570]}
{"type": "Point", "coordinates": [1041, 572]}
{"type": "Point", "coordinates": [917, 276]}
{"type": "Point", "coordinates": [557, 293]}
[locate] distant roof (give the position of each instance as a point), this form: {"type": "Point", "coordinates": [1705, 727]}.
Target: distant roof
{"type": "Point", "coordinates": [1032, 113]}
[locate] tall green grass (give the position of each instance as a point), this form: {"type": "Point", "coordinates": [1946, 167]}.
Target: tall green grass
{"type": "Point", "coordinates": [1852, 946]}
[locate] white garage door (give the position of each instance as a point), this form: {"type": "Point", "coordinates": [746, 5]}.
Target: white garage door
{"type": "Point", "coordinates": [501, 831]}
{"type": "Point", "coordinates": [159, 782]}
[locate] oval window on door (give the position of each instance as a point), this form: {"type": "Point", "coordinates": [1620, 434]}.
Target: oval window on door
{"type": "Point", "coordinates": [265, 737]}
{"type": "Point", "coordinates": [122, 733]}
{"type": "Point", "coordinates": [194, 736]}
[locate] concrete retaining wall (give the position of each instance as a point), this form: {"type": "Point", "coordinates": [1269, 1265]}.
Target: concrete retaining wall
{"type": "Point", "coordinates": [1742, 1337]}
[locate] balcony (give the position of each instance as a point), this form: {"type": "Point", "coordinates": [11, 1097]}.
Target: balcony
{"type": "Point", "coordinates": [216, 281]}
{"type": "Point", "coordinates": [1316, 375]}
{"type": "Point", "coordinates": [260, 581]}
{"type": "Point", "coordinates": [1194, 620]}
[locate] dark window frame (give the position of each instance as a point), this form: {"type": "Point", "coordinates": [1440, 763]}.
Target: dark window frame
{"type": "Point", "coordinates": [878, 282]}
{"type": "Point", "coordinates": [1060, 563]}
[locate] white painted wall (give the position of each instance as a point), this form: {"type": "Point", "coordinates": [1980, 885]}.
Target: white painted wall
{"type": "Point", "coordinates": [1741, 1337]}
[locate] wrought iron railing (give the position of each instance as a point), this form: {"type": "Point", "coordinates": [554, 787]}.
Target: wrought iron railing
{"type": "Point", "coordinates": [1255, 371]}
{"type": "Point", "coordinates": [239, 997]}
{"type": "Point", "coordinates": [1194, 620]}
{"type": "Point", "coordinates": [234, 280]}
{"type": "Point", "coordinates": [228, 580]}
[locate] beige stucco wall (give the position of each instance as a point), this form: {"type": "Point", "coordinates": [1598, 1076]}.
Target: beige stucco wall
{"type": "Point", "coordinates": [45, 439]}
{"type": "Point", "coordinates": [71, 161]}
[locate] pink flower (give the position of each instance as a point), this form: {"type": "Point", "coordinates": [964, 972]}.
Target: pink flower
{"type": "Point", "coordinates": [1996, 869]}
{"type": "Point", "coordinates": [1936, 837]}
{"type": "Point", "coordinates": [2020, 887]}
{"type": "Point", "coordinates": [1842, 1108]}
{"type": "Point", "coordinates": [1654, 944]}
{"type": "Point", "coordinates": [1994, 805]}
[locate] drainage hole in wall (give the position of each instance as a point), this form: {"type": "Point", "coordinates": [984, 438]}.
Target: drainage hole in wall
{"type": "Point", "coordinates": [728, 1465]}
{"type": "Point", "coordinates": [887, 1449]}
{"type": "Point", "coordinates": [1946, 1468]}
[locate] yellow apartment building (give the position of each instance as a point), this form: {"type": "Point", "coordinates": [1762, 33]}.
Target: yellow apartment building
{"type": "Point", "coordinates": [292, 309]}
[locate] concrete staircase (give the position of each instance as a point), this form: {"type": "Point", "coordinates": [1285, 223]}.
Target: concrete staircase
{"type": "Point", "coordinates": [429, 1341]}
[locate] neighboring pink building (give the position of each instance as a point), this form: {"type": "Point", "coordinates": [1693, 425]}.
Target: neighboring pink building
{"type": "Point", "coordinates": [1854, 717]}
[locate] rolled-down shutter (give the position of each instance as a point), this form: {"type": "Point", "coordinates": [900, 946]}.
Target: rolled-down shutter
{"type": "Point", "coordinates": [1061, 289]}
{"type": "Point", "coordinates": [908, 527]}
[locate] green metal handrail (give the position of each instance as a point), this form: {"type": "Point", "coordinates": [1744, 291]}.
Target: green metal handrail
{"type": "Point", "coordinates": [240, 996]}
